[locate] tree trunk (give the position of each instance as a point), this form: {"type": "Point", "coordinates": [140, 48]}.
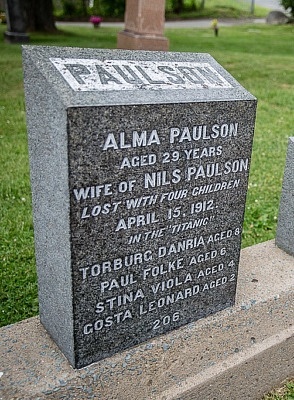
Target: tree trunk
{"type": "Point", "coordinates": [39, 15]}
{"type": "Point", "coordinates": [84, 8]}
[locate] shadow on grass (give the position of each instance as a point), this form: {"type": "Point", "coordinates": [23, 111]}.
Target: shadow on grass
{"type": "Point", "coordinates": [77, 37]}
{"type": "Point", "coordinates": [59, 36]}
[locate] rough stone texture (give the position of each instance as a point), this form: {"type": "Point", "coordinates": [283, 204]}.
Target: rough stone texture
{"type": "Point", "coordinates": [285, 228]}
{"type": "Point", "coordinates": [239, 353]}
{"type": "Point", "coordinates": [144, 26]}
{"type": "Point", "coordinates": [277, 18]}
{"type": "Point", "coordinates": [175, 141]}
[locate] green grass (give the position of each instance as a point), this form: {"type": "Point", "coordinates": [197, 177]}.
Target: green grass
{"type": "Point", "coordinates": [260, 57]}
{"type": "Point", "coordinates": [219, 9]}
{"type": "Point", "coordinates": [284, 393]}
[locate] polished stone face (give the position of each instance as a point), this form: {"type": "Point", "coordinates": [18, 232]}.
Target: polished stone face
{"type": "Point", "coordinates": [157, 202]}
{"type": "Point", "coordinates": [139, 175]}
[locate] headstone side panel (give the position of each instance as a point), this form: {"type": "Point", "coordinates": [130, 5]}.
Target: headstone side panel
{"type": "Point", "coordinates": [47, 141]}
{"type": "Point", "coordinates": [285, 228]}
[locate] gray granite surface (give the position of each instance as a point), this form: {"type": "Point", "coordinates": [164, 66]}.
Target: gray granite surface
{"type": "Point", "coordinates": [285, 228]}
{"type": "Point", "coordinates": [139, 170]}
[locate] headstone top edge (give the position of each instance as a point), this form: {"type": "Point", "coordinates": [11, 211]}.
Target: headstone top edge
{"type": "Point", "coordinates": [119, 52]}
{"type": "Point", "coordinates": [53, 61]}
{"type": "Point", "coordinates": [43, 53]}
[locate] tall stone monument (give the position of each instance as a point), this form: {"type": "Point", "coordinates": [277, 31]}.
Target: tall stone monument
{"type": "Point", "coordinates": [285, 228]}
{"type": "Point", "coordinates": [144, 26]}
{"type": "Point", "coordinates": [139, 168]}
{"type": "Point", "coordinates": [16, 22]}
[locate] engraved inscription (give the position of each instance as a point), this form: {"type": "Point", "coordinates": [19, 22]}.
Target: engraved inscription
{"type": "Point", "coordinates": [156, 214]}
{"type": "Point", "coordinates": [92, 74]}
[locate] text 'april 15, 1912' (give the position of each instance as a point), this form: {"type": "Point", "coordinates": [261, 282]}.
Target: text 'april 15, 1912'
{"type": "Point", "coordinates": [194, 165]}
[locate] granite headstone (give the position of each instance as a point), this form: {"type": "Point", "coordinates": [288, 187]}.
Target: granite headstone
{"type": "Point", "coordinates": [285, 228]}
{"type": "Point", "coordinates": [139, 170]}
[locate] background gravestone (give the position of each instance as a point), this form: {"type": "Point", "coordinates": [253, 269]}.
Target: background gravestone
{"type": "Point", "coordinates": [285, 228]}
{"type": "Point", "coordinates": [144, 26]}
{"type": "Point", "coordinates": [139, 169]}
{"type": "Point", "coordinates": [16, 22]}
{"type": "Point", "coordinates": [277, 18]}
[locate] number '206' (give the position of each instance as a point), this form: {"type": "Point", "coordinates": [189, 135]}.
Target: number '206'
{"type": "Point", "coordinates": [166, 320]}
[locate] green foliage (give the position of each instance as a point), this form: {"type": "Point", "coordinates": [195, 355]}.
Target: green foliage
{"type": "Point", "coordinates": [288, 4]}
{"type": "Point", "coordinates": [179, 6]}
{"type": "Point", "coordinates": [2, 17]}
{"type": "Point", "coordinates": [69, 8]}
{"type": "Point", "coordinates": [212, 9]}
{"type": "Point", "coordinates": [74, 8]}
{"type": "Point", "coordinates": [110, 8]}
{"type": "Point", "coordinates": [174, 8]}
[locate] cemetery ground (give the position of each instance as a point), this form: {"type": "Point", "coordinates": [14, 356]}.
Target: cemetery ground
{"type": "Point", "coordinates": [260, 57]}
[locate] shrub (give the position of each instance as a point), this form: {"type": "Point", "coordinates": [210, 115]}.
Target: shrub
{"type": "Point", "coordinates": [288, 4]}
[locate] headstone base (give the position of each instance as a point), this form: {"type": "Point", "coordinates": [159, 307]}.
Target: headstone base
{"type": "Point", "coordinates": [239, 353]}
{"type": "Point", "coordinates": [134, 41]}
{"type": "Point", "coordinates": [16, 37]}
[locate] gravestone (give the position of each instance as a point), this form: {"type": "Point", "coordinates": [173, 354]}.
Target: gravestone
{"type": "Point", "coordinates": [144, 26]}
{"type": "Point", "coordinates": [16, 22]}
{"type": "Point", "coordinates": [277, 18]}
{"type": "Point", "coordinates": [139, 168]}
{"type": "Point", "coordinates": [285, 227]}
